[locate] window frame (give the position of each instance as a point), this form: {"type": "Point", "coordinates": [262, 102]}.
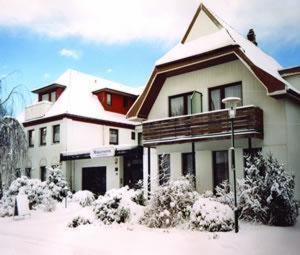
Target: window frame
{"type": "Point", "coordinates": [53, 134]}
{"type": "Point", "coordinates": [41, 133]}
{"type": "Point", "coordinates": [185, 102]}
{"type": "Point", "coordinates": [222, 93]}
{"type": "Point", "coordinates": [30, 134]}
{"type": "Point", "coordinates": [108, 95]}
{"type": "Point", "coordinates": [117, 133]}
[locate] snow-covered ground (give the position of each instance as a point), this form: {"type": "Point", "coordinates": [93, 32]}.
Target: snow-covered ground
{"type": "Point", "coordinates": [47, 233]}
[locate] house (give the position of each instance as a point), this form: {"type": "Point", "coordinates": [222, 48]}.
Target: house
{"type": "Point", "coordinates": [79, 122]}
{"type": "Point", "coordinates": [184, 122]}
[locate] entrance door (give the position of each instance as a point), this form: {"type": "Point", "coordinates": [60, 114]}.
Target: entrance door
{"type": "Point", "coordinates": [133, 169]}
{"type": "Point", "coordinates": [94, 179]}
{"type": "Point", "coordinates": [220, 165]}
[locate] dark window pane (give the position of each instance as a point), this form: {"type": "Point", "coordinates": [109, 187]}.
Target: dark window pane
{"type": "Point", "coordinates": [113, 136]}
{"type": "Point", "coordinates": [108, 99]}
{"type": "Point", "coordinates": [164, 168]}
{"type": "Point", "coordinates": [220, 165]}
{"type": "Point", "coordinates": [18, 172]}
{"type": "Point", "coordinates": [132, 135]}
{"type": "Point", "coordinates": [31, 138]}
{"type": "Point", "coordinates": [187, 164]}
{"type": "Point", "coordinates": [43, 133]}
{"type": "Point", "coordinates": [140, 139]}
{"type": "Point", "coordinates": [56, 134]}
{"type": "Point", "coordinates": [28, 172]}
{"type": "Point", "coordinates": [43, 173]}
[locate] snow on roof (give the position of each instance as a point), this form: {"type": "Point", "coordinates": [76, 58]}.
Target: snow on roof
{"type": "Point", "coordinates": [224, 37]}
{"type": "Point", "coordinates": [78, 98]}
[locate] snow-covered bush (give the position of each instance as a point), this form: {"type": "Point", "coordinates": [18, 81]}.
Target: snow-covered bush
{"type": "Point", "coordinates": [57, 184]}
{"type": "Point", "coordinates": [84, 198]}
{"type": "Point", "coordinates": [33, 188]}
{"type": "Point", "coordinates": [48, 202]}
{"type": "Point", "coordinates": [138, 197]}
{"type": "Point", "coordinates": [266, 194]}
{"type": "Point", "coordinates": [170, 205]}
{"type": "Point", "coordinates": [77, 221]}
{"type": "Point", "coordinates": [117, 206]}
{"type": "Point", "coordinates": [209, 215]}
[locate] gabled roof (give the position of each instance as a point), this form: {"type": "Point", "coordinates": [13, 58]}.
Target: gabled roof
{"type": "Point", "coordinates": [213, 47]}
{"type": "Point", "coordinates": [78, 98]}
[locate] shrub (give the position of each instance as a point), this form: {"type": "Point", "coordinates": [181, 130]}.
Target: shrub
{"type": "Point", "coordinates": [57, 184]}
{"type": "Point", "coordinates": [48, 202]}
{"type": "Point", "coordinates": [108, 209]}
{"type": "Point", "coordinates": [84, 198]}
{"type": "Point", "coordinates": [77, 221]}
{"type": "Point", "coordinates": [208, 215]}
{"type": "Point", "coordinates": [170, 205]}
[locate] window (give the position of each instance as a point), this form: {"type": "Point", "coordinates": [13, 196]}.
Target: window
{"type": "Point", "coordinates": [132, 135]}
{"type": "Point", "coordinates": [56, 134]}
{"type": "Point", "coordinates": [18, 172]}
{"type": "Point", "coordinates": [163, 168]}
{"type": "Point", "coordinates": [220, 167]}
{"type": "Point", "coordinates": [43, 173]}
{"type": "Point", "coordinates": [31, 138]}
{"type": "Point", "coordinates": [108, 99]}
{"type": "Point", "coordinates": [217, 94]}
{"type": "Point", "coordinates": [113, 136]}
{"type": "Point", "coordinates": [43, 133]}
{"type": "Point", "coordinates": [184, 104]}
{"type": "Point", "coordinates": [45, 97]}
{"type": "Point", "coordinates": [140, 138]}
{"type": "Point", "coordinates": [187, 164]}
{"type": "Point", "coordinates": [125, 102]}
{"type": "Point", "coordinates": [53, 96]}
{"type": "Point", "coordinates": [28, 172]}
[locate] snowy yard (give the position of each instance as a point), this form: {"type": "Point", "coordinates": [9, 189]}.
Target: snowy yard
{"type": "Point", "coordinates": [47, 233]}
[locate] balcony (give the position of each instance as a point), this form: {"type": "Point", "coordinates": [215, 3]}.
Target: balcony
{"type": "Point", "coordinates": [212, 125]}
{"type": "Point", "coordinates": [37, 110]}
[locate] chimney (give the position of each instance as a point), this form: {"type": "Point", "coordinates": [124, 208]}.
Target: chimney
{"type": "Point", "coordinates": [251, 36]}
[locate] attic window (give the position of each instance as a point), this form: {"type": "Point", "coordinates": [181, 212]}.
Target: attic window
{"type": "Point", "coordinates": [108, 99]}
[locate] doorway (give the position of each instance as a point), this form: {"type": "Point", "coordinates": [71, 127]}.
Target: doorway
{"type": "Point", "coordinates": [94, 179]}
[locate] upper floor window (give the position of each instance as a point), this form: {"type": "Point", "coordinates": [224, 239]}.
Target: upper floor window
{"type": "Point", "coordinates": [56, 134]}
{"type": "Point", "coordinates": [108, 99]}
{"type": "Point", "coordinates": [125, 102]}
{"type": "Point", "coordinates": [217, 94]}
{"type": "Point", "coordinates": [53, 96]}
{"type": "Point", "coordinates": [113, 136]}
{"type": "Point", "coordinates": [132, 135]}
{"type": "Point", "coordinates": [43, 134]}
{"type": "Point", "coordinates": [31, 138]}
{"type": "Point", "coordinates": [45, 97]}
{"type": "Point", "coordinates": [183, 104]}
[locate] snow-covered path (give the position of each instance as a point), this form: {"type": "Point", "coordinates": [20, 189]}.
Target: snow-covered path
{"type": "Point", "coordinates": [46, 233]}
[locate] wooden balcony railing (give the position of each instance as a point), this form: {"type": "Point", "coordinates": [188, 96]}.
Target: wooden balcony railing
{"type": "Point", "coordinates": [204, 126]}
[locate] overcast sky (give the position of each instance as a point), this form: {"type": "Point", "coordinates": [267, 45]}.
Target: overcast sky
{"type": "Point", "coordinates": [121, 39]}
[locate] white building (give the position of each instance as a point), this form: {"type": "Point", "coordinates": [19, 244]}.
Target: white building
{"type": "Point", "coordinates": [79, 122]}
{"type": "Point", "coordinates": [184, 118]}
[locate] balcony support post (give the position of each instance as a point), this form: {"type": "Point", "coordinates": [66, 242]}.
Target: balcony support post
{"type": "Point", "coordinates": [149, 172]}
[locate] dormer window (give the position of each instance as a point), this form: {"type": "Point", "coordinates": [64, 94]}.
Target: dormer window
{"type": "Point", "coordinates": [45, 97]}
{"type": "Point", "coordinates": [53, 96]}
{"type": "Point", "coordinates": [108, 99]}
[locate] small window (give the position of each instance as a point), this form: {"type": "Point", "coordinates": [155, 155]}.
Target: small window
{"type": "Point", "coordinates": [187, 164]}
{"type": "Point", "coordinates": [43, 173]}
{"type": "Point", "coordinates": [45, 97]}
{"type": "Point", "coordinates": [132, 135]}
{"type": "Point", "coordinates": [216, 95]}
{"type": "Point", "coordinates": [113, 136]}
{"type": "Point", "coordinates": [108, 99]}
{"type": "Point", "coordinates": [18, 172]}
{"type": "Point", "coordinates": [164, 168]}
{"type": "Point", "coordinates": [56, 134]}
{"type": "Point", "coordinates": [125, 102]}
{"type": "Point", "coordinates": [28, 172]}
{"type": "Point", "coordinates": [140, 138]}
{"type": "Point", "coordinates": [43, 134]}
{"type": "Point", "coordinates": [53, 96]}
{"type": "Point", "coordinates": [31, 138]}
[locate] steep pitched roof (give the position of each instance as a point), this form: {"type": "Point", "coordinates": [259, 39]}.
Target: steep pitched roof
{"type": "Point", "coordinates": [78, 99]}
{"type": "Point", "coordinates": [213, 38]}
